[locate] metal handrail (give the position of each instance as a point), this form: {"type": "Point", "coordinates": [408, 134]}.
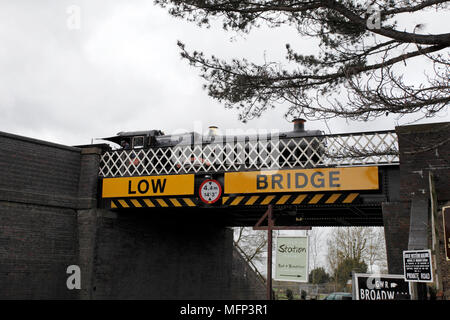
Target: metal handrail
{"type": "Point", "coordinates": [366, 148]}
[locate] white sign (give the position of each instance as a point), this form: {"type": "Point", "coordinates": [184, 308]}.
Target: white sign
{"type": "Point", "coordinates": [291, 259]}
{"type": "Point", "coordinates": [417, 265]}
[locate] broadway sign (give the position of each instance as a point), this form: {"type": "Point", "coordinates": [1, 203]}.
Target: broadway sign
{"type": "Point", "coordinates": [380, 287]}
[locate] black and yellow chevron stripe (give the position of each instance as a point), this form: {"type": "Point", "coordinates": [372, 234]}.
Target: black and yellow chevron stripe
{"type": "Point", "coordinates": [153, 202]}
{"type": "Point", "coordinates": [291, 199]}
{"type": "Point", "coordinates": [241, 200]}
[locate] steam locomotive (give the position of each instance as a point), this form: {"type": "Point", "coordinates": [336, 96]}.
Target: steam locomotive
{"type": "Point", "coordinates": [248, 151]}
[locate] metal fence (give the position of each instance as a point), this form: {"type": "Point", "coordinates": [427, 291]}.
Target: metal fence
{"type": "Point", "coordinates": [364, 148]}
{"type": "Point", "coordinates": [313, 291]}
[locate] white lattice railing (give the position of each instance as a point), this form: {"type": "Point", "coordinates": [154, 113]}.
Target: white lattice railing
{"type": "Point", "coordinates": [276, 153]}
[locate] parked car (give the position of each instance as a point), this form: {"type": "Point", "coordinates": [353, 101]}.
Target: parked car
{"type": "Point", "coordinates": [339, 296]}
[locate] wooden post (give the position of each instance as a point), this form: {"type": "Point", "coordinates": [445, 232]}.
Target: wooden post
{"type": "Point", "coordinates": [269, 252]}
{"type": "Point", "coordinates": [435, 234]}
{"type": "Point", "coordinates": [270, 227]}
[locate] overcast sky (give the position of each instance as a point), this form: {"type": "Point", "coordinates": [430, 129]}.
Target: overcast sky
{"type": "Point", "coordinates": [121, 71]}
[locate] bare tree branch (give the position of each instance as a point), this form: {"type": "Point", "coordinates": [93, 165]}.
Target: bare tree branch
{"type": "Point", "coordinates": [359, 59]}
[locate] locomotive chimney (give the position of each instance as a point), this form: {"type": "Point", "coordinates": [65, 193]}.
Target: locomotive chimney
{"type": "Point", "coordinates": [212, 130]}
{"type": "Point", "coordinates": [299, 125]}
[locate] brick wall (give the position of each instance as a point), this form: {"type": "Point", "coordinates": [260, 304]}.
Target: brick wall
{"type": "Point", "coordinates": [38, 220]}
{"type": "Point", "coordinates": [160, 255]}
{"type": "Point", "coordinates": [423, 149]}
{"type": "Point", "coordinates": [37, 243]}
{"type": "Point", "coordinates": [38, 172]}
{"type": "Point", "coordinates": [396, 231]}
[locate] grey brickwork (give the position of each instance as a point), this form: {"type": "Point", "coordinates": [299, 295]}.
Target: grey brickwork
{"type": "Point", "coordinates": [38, 220]}
{"type": "Point", "coordinates": [396, 232]}
{"type": "Point", "coordinates": [49, 219]}
{"type": "Point", "coordinates": [423, 149]}
{"type": "Point", "coordinates": [163, 255]}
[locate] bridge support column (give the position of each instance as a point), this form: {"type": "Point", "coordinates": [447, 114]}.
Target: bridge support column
{"type": "Point", "coordinates": [424, 149]}
{"type": "Point", "coordinates": [87, 217]}
{"type": "Point", "coordinates": [396, 233]}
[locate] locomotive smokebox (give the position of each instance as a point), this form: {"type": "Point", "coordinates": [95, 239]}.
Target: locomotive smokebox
{"type": "Point", "coordinates": [299, 125]}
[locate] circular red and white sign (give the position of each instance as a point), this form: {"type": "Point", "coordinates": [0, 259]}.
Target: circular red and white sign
{"type": "Point", "coordinates": [210, 191]}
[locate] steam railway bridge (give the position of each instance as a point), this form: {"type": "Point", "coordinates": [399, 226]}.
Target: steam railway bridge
{"type": "Point", "coordinates": [321, 180]}
{"type": "Point", "coordinates": [154, 222]}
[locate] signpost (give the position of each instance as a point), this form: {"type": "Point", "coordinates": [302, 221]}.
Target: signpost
{"type": "Point", "coordinates": [271, 226]}
{"type": "Point", "coordinates": [417, 266]}
{"type": "Point", "coordinates": [292, 259]}
{"type": "Point", "coordinates": [380, 287]}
